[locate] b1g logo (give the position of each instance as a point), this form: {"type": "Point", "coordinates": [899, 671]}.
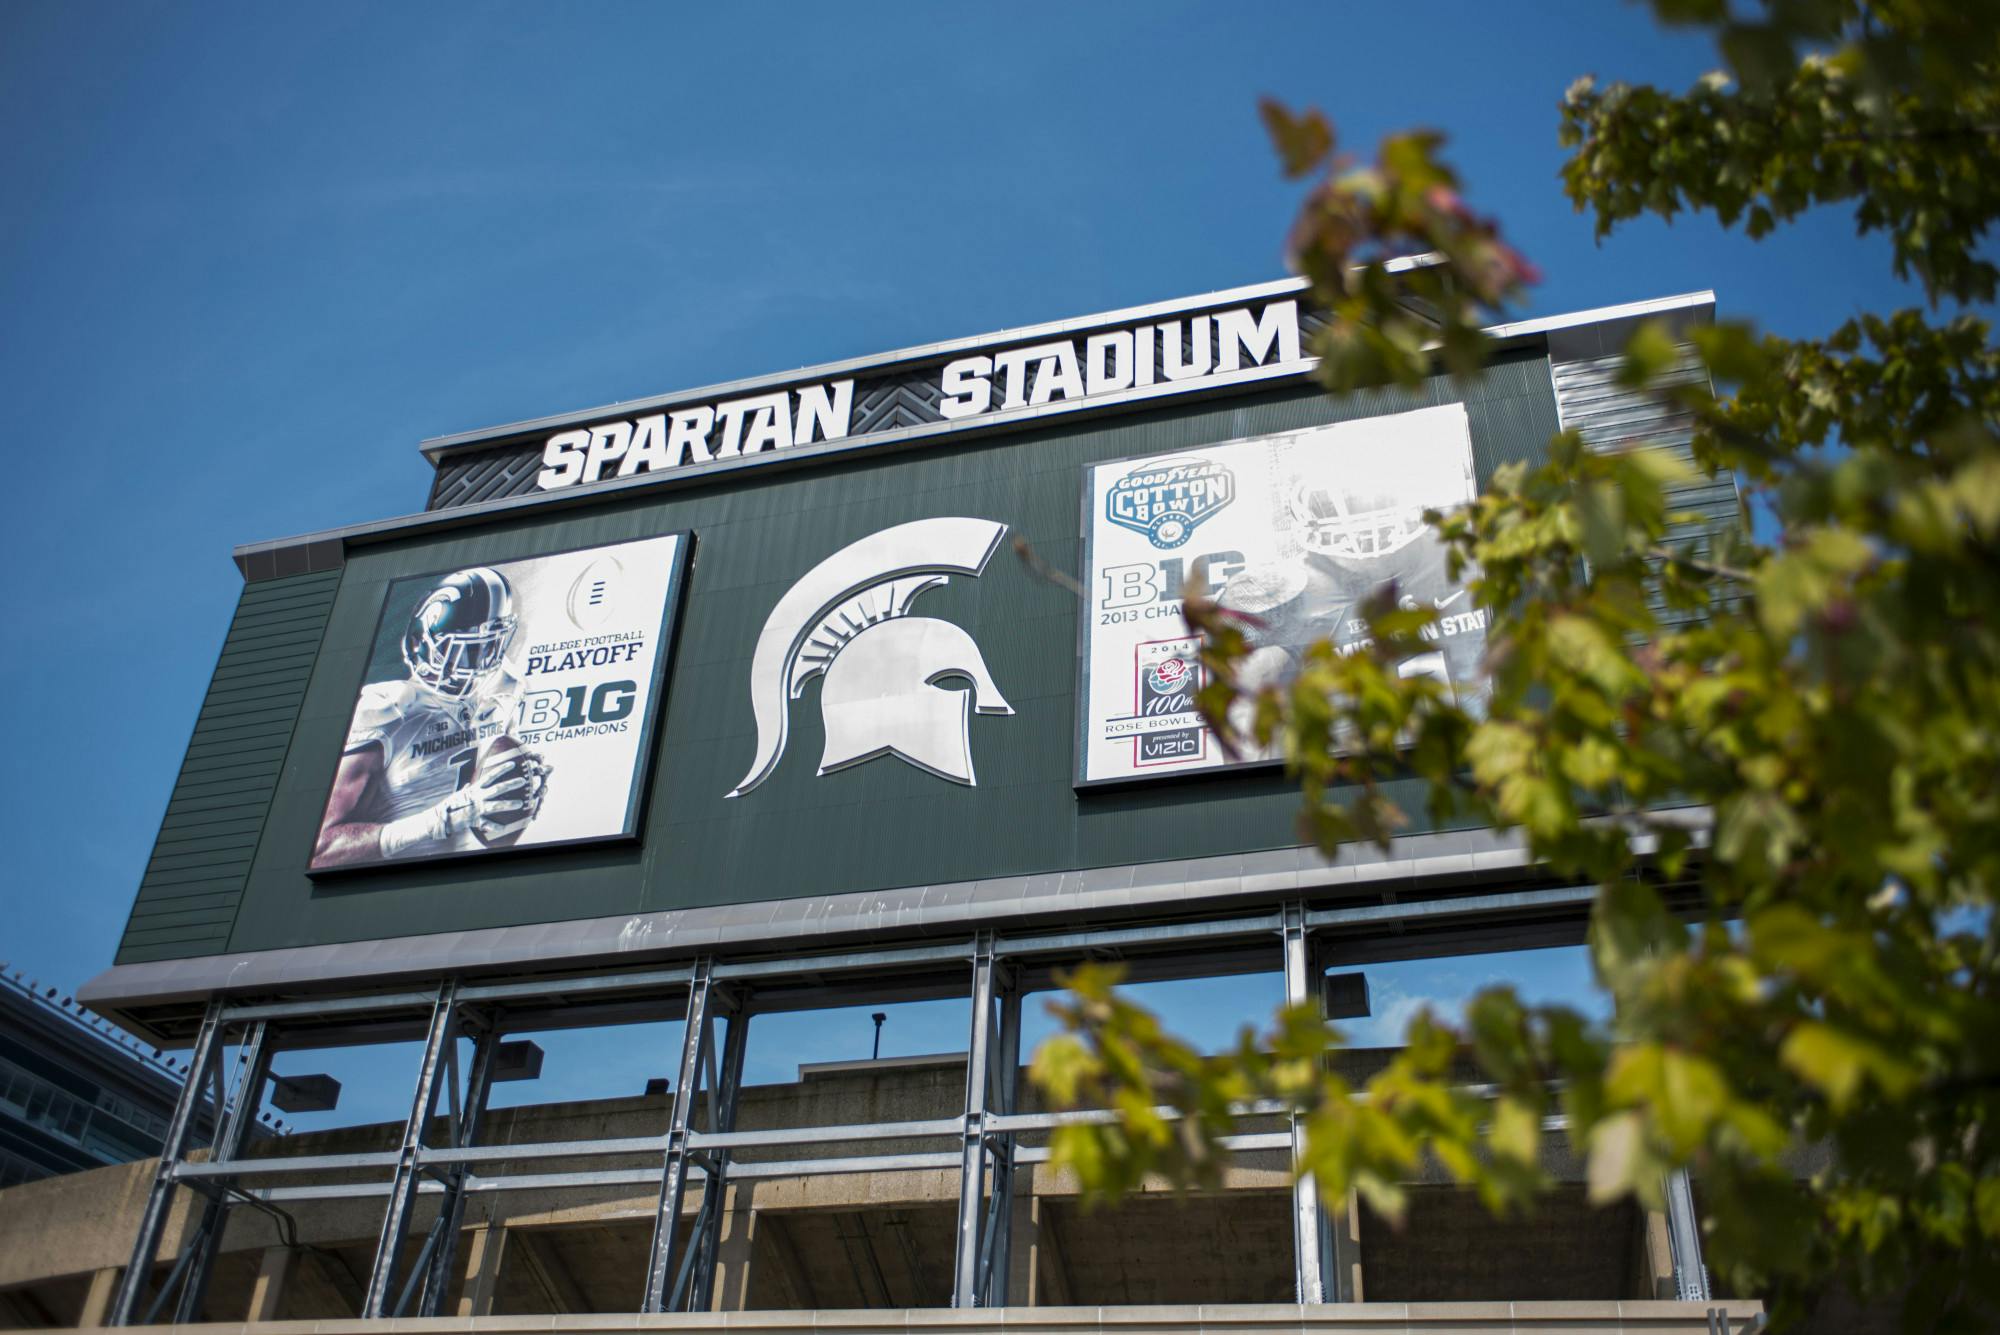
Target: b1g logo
{"type": "Point", "coordinates": [1168, 500]}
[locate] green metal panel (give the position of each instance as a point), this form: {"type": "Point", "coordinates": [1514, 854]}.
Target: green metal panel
{"type": "Point", "coordinates": [194, 881]}
{"type": "Point", "coordinates": [880, 825]}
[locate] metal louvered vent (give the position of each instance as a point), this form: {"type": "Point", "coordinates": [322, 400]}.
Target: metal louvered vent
{"type": "Point", "coordinates": [1590, 402]}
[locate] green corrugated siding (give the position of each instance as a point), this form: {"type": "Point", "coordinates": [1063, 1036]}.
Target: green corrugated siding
{"type": "Point", "coordinates": [194, 881]}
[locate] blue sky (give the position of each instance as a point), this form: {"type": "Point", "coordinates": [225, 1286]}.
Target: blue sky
{"type": "Point", "coordinates": [251, 255]}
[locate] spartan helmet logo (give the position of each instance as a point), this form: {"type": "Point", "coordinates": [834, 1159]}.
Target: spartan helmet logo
{"type": "Point", "coordinates": [849, 619]}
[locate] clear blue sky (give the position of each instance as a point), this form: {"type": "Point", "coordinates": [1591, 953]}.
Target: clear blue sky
{"type": "Point", "coordinates": [251, 255]}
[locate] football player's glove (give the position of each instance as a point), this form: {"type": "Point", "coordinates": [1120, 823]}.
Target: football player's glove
{"type": "Point", "coordinates": [501, 798]}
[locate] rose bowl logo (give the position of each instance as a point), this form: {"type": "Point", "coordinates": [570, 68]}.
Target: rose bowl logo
{"type": "Point", "coordinates": [1168, 675]}
{"type": "Point", "coordinates": [1168, 498]}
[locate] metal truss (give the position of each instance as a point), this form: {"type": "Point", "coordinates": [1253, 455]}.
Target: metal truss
{"type": "Point", "coordinates": [436, 1161]}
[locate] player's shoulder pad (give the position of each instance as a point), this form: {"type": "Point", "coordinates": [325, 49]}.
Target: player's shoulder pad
{"type": "Point", "coordinates": [382, 706]}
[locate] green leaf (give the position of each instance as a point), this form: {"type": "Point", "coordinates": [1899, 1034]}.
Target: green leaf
{"type": "Point", "coordinates": [1650, 353]}
{"type": "Point", "coordinates": [1303, 142]}
{"type": "Point", "coordinates": [1837, 1062]}
{"type": "Point", "coordinates": [1618, 1157]}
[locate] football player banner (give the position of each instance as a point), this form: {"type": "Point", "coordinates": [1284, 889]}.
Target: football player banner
{"type": "Point", "coordinates": [1295, 530]}
{"type": "Point", "coordinates": [506, 706]}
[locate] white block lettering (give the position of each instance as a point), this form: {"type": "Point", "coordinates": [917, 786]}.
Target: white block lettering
{"type": "Point", "coordinates": [687, 439]}
{"type": "Point", "coordinates": [967, 390]}
{"type": "Point", "coordinates": [1100, 352]}
{"type": "Point", "coordinates": [562, 460]}
{"type": "Point", "coordinates": [1240, 335]}
{"type": "Point", "coordinates": [770, 424]}
{"type": "Point", "coordinates": [1056, 373]}
{"type": "Point", "coordinates": [826, 409]}
{"type": "Point", "coordinates": [649, 446]}
{"type": "Point", "coordinates": [607, 445]}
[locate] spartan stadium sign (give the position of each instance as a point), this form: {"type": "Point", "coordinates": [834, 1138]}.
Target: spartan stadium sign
{"type": "Point", "coordinates": [1183, 353]}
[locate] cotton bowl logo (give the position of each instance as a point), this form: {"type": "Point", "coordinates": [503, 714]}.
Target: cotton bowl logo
{"type": "Point", "coordinates": [1166, 501]}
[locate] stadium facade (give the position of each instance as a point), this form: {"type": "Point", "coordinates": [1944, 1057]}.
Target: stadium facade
{"type": "Point", "coordinates": [861, 683]}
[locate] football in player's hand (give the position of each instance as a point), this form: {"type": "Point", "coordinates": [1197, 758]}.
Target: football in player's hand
{"type": "Point", "coordinates": [493, 761]}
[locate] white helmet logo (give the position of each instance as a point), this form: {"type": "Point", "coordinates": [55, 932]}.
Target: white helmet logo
{"type": "Point", "coordinates": [848, 618]}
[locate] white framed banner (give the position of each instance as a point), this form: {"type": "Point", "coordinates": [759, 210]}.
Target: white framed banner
{"type": "Point", "coordinates": [1293, 529]}
{"type": "Point", "coordinates": [508, 705]}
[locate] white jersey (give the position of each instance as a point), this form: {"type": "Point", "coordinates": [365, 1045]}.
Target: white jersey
{"type": "Point", "coordinates": [430, 744]}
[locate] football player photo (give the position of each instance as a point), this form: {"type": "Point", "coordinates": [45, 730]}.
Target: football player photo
{"type": "Point", "coordinates": [1295, 531]}
{"type": "Point", "coordinates": [505, 705]}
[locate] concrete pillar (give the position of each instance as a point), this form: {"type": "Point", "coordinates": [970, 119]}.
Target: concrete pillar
{"type": "Point", "coordinates": [1039, 1258]}
{"type": "Point", "coordinates": [1657, 1260]}
{"type": "Point", "coordinates": [1346, 1226]}
{"type": "Point", "coordinates": [267, 1291]}
{"type": "Point", "coordinates": [1021, 1254]}
{"type": "Point", "coordinates": [484, 1249]}
{"type": "Point", "coordinates": [734, 1251]}
{"type": "Point", "coordinates": [97, 1299]}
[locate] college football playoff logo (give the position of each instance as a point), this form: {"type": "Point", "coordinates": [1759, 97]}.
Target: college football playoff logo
{"type": "Point", "coordinates": [848, 618]}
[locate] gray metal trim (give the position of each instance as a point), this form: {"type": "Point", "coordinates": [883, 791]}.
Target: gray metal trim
{"type": "Point", "coordinates": [1309, 1223]}
{"type": "Point", "coordinates": [910, 912]}
{"type": "Point", "coordinates": [439, 519]}
{"type": "Point", "coordinates": [1684, 1239]}
{"type": "Point", "coordinates": [1414, 865]}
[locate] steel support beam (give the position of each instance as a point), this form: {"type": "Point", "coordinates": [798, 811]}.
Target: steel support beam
{"type": "Point", "coordinates": [439, 1274]}
{"type": "Point", "coordinates": [673, 1179]}
{"type": "Point", "coordinates": [1311, 1258]}
{"type": "Point", "coordinates": [1684, 1236]}
{"type": "Point", "coordinates": [715, 1186]}
{"type": "Point", "coordinates": [443, 1032]}
{"type": "Point", "coordinates": [998, 1249]}
{"type": "Point", "coordinates": [972, 1155]}
{"type": "Point", "coordinates": [242, 1115]}
{"type": "Point", "coordinates": [159, 1199]}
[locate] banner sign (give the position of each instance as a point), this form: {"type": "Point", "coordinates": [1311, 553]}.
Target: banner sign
{"type": "Point", "coordinates": [506, 706]}
{"type": "Point", "coordinates": [1184, 353]}
{"type": "Point", "coordinates": [1294, 530]}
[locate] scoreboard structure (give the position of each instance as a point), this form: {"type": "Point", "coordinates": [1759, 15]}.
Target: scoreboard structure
{"type": "Point", "coordinates": [863, 682]}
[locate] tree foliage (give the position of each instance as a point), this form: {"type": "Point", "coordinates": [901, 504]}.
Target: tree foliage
{"type": "Point", "coordinates": [1806, 730]}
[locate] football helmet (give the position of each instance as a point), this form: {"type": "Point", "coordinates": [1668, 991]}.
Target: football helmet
{"type": "Point", "coordinates": [459, 634]}
{"type": "Point", "coordinates": [1352, 525]}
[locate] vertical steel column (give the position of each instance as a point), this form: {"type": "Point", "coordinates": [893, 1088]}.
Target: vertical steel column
{"type": "Point", "coordinates": [442, 1034]}
{"type": "Point", "coordinates": [153, 1219]}
{"type": "Point", "coordinates": [235, 1129]}
{"type": "Point", "coordinates": [1684, 1236]}
{"type": "Point", "coordinates": [721, 1117]}
{"type": "Point", "coordinates": [1005, 1078]}
{"type": "Point", "coordinates": [1309, 1225]}
{"type": "Point", "coordinates": [673, 1180]}
{"type": "Point", "coordinates": [451, 1211]}
{"type": "Point", "coordinates": [972, 1160]}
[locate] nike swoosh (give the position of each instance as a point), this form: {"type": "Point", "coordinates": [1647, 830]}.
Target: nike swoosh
{"type": "Point", "coordinates": [1443, 603]}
